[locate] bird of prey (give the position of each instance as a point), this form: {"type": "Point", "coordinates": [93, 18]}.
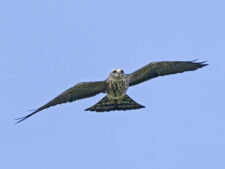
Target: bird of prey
{"type": "Point", "coordinates": [116, 85]}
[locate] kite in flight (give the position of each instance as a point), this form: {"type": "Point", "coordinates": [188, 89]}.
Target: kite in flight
{"type": "Point", "coordinates": [116, 85]}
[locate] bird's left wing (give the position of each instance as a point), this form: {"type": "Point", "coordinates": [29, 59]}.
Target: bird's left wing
{"type": "Point", "coordinates": [156, 69]}
{"type": "Point", "coordinates": [79, 91]}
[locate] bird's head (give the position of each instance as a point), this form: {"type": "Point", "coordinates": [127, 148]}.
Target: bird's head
{"type": "Point", "coordinates": [117, 73]}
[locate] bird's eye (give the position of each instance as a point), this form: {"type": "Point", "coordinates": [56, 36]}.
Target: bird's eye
{"type": "Point", "coordinates": [114, 71]}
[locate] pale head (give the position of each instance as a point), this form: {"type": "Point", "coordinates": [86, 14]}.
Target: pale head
{"type": "Point", "coordinates": [117, 73]}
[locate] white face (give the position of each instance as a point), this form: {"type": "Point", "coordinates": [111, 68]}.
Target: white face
{"type": "Point", "coordinates": [117, 73]}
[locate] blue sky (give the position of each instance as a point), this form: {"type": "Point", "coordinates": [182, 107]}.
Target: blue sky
{"type": "Point", "coordinates": [48, 46]}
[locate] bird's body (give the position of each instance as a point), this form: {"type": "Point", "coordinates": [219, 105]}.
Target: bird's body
{"type": "Point", "coordinates": [116, 85]}
{"type": "Point", "coordinates": [116, 99]}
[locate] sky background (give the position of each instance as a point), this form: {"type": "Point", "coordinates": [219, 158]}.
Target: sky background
{"type": "Point", "coordinates": [47, 46]}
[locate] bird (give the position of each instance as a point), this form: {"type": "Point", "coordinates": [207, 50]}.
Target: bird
{"type": "Point", "coordinates": [116, 86]}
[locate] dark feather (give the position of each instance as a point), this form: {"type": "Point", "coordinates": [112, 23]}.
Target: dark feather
{"type": "Point", "coordinates": [156, 69]}
{"type": "Point", "coordinates": [79, 91]}
{"type": "Point", "coordinates": [105, 105]}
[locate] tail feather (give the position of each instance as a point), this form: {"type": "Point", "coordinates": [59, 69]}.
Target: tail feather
{"type": "Point", "coordinates": [126, 103]}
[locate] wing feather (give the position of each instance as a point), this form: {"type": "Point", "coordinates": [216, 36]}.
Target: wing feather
{"type": "Point", "coordinates": [79, 91]}
{"type": "Point", "coordinates": [157, 69]}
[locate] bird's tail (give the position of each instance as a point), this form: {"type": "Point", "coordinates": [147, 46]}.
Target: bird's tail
{"type": "Point", "coordinates": [126, 103]}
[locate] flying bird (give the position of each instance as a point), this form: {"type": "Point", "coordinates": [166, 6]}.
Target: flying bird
{"type": "Point", "coordinates": [116, 85]}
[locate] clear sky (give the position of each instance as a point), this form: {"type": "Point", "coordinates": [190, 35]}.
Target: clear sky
{"type": "Point", "coordinates": [47, 46]}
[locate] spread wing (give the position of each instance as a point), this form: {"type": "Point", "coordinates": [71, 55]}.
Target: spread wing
{"type": "Point", "coordinates": [79, 91]}
{"type": "Point", "coordinates": [156, 69]}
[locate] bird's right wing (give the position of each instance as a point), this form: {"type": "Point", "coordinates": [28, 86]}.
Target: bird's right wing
{"type": "Point", "coordinates": [79, 91]}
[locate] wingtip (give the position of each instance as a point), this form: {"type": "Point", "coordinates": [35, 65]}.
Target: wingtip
{"type": "Point", "coordinates": [201, 64]}
{"type": "Point", "coordinates": [204, 63]}
{"type": "Point", "coordinates": [194, 60]}
{"type": "Point", "coordinates": [18, 120]}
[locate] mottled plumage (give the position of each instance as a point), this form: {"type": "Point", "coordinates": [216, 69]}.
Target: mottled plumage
{"type": "Point", "coordinates": [116, 85]}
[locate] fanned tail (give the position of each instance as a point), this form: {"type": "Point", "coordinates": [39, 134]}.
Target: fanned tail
{"type": "Point", "coordinates": [126, 103]}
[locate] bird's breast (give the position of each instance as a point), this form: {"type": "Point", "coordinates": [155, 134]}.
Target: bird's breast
{"type": "Point", "coordinates": [116, 88]}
